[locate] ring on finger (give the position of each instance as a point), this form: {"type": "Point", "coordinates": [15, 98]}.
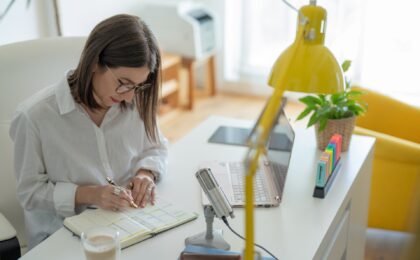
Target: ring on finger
{"type": "Point", "coordinates": [116, 191]}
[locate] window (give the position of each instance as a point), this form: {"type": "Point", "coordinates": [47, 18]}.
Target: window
{"type": "Point", "coordinates": [378, 37]}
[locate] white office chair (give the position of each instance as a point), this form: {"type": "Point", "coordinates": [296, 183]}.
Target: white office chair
{"type": "Point", "coordinates": [25, 68]}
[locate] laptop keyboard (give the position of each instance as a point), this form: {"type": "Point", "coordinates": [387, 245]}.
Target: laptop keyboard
{"type": "Point", "coordinates": [237, 173]}
{"type": "Point", "coordinates": [279, 177]}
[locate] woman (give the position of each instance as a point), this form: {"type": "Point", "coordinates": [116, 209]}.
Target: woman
{"type": "Point", "coordinates": [99, 121]}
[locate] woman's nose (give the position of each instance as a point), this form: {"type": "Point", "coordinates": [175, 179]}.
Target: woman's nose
{"type": "Point", "coordinates": [128, 96]}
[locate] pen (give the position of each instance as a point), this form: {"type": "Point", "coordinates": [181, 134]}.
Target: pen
{"type": "Point", "coordinates": [110, 181]}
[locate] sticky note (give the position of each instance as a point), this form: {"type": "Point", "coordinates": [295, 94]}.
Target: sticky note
{"type": "Point", "coordinates": [338, 140]}
{"type": "Point", "coordinates": [330, 161]}
{"type": "Point", "coordinates": [321, 174]}
{"type": "Point", "coordinates": [331, 147]}
{"type": "Point", "coordinates": [325, 157]}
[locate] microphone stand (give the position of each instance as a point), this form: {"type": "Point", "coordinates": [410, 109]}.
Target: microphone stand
{"type": "Point", "coordinates": [212, 238]}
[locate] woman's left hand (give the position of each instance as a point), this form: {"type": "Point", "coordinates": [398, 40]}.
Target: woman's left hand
{"type": "Point", "coordinates": [143, 188]}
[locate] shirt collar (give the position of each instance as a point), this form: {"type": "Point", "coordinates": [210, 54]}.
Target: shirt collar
{"type": "Point", "coordinates": [64, 98]}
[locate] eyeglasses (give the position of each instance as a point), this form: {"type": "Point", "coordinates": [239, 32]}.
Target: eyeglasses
{"type": "Point", "coordinates": [125, 87]}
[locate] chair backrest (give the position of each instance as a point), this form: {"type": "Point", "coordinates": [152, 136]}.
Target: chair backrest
{"type": "Point", "coordinates": [389, 116]}
{"type": "Point", "coordinates": [25, 68]}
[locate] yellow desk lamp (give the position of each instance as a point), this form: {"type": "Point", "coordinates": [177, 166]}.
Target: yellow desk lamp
{"type": "Point", "coordinates": [305, 66]}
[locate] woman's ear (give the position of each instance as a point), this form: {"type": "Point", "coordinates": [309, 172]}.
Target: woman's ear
{"type": "Point", "coordinates": [95, 68]}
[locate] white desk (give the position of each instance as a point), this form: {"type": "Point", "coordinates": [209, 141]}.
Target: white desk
{"type": "Point", "coordinates": [302, 227]}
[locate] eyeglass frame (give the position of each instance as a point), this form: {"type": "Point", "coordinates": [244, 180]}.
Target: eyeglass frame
{"type": "Point", "coordinates": [130, 87]}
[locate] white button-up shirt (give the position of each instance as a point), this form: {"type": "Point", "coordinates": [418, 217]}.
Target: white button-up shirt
{"type": "Point", "coordinates": [58, 148]}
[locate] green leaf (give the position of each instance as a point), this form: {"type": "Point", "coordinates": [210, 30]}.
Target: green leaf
{"type": "Point", "coordinates": [322, 97]}
{"type": "Point", "coordinates": [353, 108]}
{"type": "Point", "coordinates": [305, 113]}
{"type": "Point", "coordinates": [357, 109]}
{"type": "Point", "coordinates": [348, 83]}
{"type": "Point", "coordinates": [322, 107]}
{"type": "Point", "coordinates": [351, 102]}
{"type": "Point", "coordinates": [346, 65]}
{"type": "Point", "coordinates": [324, 110]}
{"type": "Point", "coordinates": [348, 113]}
{"type": "Point", "coordinates": [332, 111]}
{"type": "Point", "coordinates": [338, 113]}
{"type": "Point", "coordinates": [338, 97]}
{"type": "Point", "coordinates": [322, 124]}
{"type": "Point", "coordinates": [335, 97]}
{"type": "Point", "coordinates": [310, 100]}
{"type": "Point", "coordinates": [313, 119]}
{"type": "Point", "coordinates": [355, 93]}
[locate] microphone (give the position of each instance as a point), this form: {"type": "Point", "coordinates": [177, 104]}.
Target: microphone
{"type": "Point", "coordinates": [220, 207]}
{"type": "Point", "coordinates": [214, 193]}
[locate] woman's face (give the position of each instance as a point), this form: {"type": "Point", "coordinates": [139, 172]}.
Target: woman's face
{"type": "Point", "coordinates": [106, 80]}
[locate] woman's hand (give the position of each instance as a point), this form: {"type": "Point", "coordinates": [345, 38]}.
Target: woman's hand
{"type": "Point", "coordinates": [143, 188]}
{"type": "Point", "coordinates": [106, 197]}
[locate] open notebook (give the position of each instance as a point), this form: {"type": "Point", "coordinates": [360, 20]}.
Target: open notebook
{"type": "Point", "coordinates": [134, 225]}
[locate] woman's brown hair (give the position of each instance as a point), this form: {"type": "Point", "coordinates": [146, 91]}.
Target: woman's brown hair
{"type": "Point", "coordinates": [121, 41]}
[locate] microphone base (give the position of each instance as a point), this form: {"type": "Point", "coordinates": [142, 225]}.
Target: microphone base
{"type": "Point", "coordinates": [216, 242]}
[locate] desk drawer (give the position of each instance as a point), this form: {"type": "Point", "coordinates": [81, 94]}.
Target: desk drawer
{"type": "Point", "coordinates": [336, 248]}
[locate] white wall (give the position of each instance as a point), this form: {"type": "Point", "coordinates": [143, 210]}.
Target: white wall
{"type": "Point", "coordinates": [391, 51]}
{"type": "Point", "coordinates": [78, 17]}
{"type": "Point", "coordinates": [24, 22]}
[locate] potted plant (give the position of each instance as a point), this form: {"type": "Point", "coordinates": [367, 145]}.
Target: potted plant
{"type": "Point", "coordinates": [334, 113]}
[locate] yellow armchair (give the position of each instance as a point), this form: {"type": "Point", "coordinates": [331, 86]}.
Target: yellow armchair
{"type": "Point", "coordinates": [396, 164]}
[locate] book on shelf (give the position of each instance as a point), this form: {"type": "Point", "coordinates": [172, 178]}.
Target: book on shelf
{"type": "Point", "coordinates": [133, 225]}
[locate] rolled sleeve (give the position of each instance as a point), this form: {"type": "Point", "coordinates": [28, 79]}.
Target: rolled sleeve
{"type": "Point", "coordinates": [154, 158]}
{"type": "Point", "coordinates": [64, 194]}
{"type": "Point", "coordinates": [155, 165]}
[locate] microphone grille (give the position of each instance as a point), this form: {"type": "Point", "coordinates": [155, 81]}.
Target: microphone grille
{"type": "Point", "coordinates": [206, 179]}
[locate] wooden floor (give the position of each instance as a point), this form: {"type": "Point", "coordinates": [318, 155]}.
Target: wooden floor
{"type": "Point", "coordinates": [179, 122]}
{"type": "Point", "coordinates": [385, 245]}
{"type": "Point", "coordinates": [380, 245]}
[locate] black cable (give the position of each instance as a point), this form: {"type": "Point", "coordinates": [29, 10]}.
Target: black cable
{"type": "Point", "coordinates": [234, 232]}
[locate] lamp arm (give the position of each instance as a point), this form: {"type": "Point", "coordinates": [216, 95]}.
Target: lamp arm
{"type": "Point", "coordinates": [257, 143]}
{"type": "Point", "coordinates": [290, 5]}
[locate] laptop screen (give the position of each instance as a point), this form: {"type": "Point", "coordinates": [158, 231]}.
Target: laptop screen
{"type": "Point", "coordinates": [279, 160]}
{"type": "Point", "coordinates": [281, 136]}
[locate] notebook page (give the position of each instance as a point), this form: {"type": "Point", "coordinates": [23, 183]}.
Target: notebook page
{"type": "Point", "coordinates": [134, 225]}
{"type": "Point", "coordinates": [91, 218]}
{"type": "Point", "coordinates": [160, 217]}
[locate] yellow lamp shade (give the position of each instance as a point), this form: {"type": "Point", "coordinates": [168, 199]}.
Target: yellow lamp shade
{"type": "Point", "coordinates": [307, 65]}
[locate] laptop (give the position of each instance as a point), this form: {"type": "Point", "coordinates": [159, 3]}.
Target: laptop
{"type": "Point", "coordinates": [270, 177]}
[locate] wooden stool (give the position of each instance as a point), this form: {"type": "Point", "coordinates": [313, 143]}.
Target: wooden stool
{"type": "Point", "coordinates": [210, 85]}
{"type": "Point", "coordinates": [171, 66]}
